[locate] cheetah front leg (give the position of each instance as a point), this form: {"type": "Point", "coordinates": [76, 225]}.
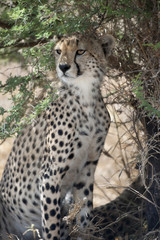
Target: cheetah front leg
{"type": "Point", "coordinates": [50, 205]}
{"type": "Point", "coordinates": [83, 194]}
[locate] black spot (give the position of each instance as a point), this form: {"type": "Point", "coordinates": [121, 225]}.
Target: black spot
{"type": "Point", "coordinates": [24, 201]}
{"type": "Point", "coordinates": [12, 209]}
{"type": "Point", "coordinates": [35, 203]}
{"type": "Point", "coordinates": [69, 136]}
{"type": "Point", "coordinates": [36, 132]}
{"type": "Point", "coordinates": [28, 165]}
{"type": "Point", "coordinates": [55, 238]}
{"type": "Point", "coordinates": [57, 188]}
{"type": "Point", "coordinates": [46, 176]}
{"type": "Point", "coordinates": [29, 186]}
{"type": "Point", "coordinates": [54, 148]}
{"type": "Point", "coordinates": [99, 139]}
{"type": "Point", "coordinates": [61, 143]}
{"type": "Point", "coordinates": [47, 186]}
{"type": "Point", "coordinates": [66, 150]}
{"type": "Point", "coordinates": [60, 132]}
{"type": "Point", "coordinates": [83, 133]}
{"type": "Point", "coordinates": [69, 125]}
{"type": "Point", "coordinates": [45, 207]}
{"type": "Point", "coordinates": [49, 236]}
{"type": "Point", "coordinates": [48, 200]}
{"type": "Point", "coordinates": [86, 192]}
{"type": "Point", "coordinates": [71, 156]}
{"type": "Point", "coordinates": [34, 172]}
{"type": "Point", "coordinates": [46, 216]}
{"type": "Point", "coordinates": [55, 201]}
{"type": "Point", "coordinates": [52, 135]}
{"type": "Point", "coordinates": [24, 179]}
{"type": "Point", "coordinates": [19, 163]}
{"type": "Point", "coordinates": [53, 226]}
{"type": "Point", "coordinates": [52, 212]}
{"type": "Point", "coordinates": [37, 150]}
{"type": "Point", "coordinates": [89, 204]}
{"type": "Point", "coordinates": [59, 201]}
{"type": "Point", "coordinates": [59, 159]}
{"type": "Point", "coordinates": [98, 148]}
{"type": "Point", "coordinates": [41, 124]}
{"type": "Point", "coordinates": [27, 149]}
{"type": "Point", "coordinates": [79, 185]}
{"type": "Point", "coordinates": [53, 189]}
{"type": "Point", "coordinates": [21, 210]}
{"type": "Point", "coordinates": [87, 163]}
{"type": "Point", "coordinates": [37, 196]}
{"type": "Point", "coordinates": [79, 144]}
{"type": "Point", "coordinates": [91, 187]}
{"type": "Point", "coordinates": [95, 162]}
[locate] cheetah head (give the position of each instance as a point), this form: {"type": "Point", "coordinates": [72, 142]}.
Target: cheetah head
{"type": "Point", "coordinates": [78, 56]}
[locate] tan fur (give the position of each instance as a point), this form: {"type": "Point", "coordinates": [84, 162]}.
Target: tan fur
{"type": "Point", "coordinates": [58, 153]}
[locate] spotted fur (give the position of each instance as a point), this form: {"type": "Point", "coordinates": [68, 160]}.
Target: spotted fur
{"type": "Point", "coordinates": [58, 153]}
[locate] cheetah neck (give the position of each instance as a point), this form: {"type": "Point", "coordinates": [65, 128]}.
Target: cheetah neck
{"type": "Point", "coordinates": [86, 90]}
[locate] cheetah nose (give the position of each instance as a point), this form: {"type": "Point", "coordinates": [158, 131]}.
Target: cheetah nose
{"type": "Point", "coordinates": [64, 67]}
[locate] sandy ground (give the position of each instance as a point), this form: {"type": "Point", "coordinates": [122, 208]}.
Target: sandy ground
{"type": "Point", "coordinates": [110, 176]}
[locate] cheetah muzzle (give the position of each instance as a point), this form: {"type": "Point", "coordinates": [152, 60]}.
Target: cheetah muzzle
{"type": "Point", "coordinates": [58, 153]}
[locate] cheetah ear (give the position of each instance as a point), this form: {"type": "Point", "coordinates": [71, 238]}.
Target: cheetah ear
{"type": "Point", "coordinates": [57, 38]}
{"type": "Point", "coordinates": [108, 43]}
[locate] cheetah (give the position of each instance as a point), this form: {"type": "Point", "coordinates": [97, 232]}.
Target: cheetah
{"type": "Point", "coordinates": [59, 151]}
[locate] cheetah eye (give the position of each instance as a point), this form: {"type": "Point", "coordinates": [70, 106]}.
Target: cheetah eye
{"type": "Point", "coordinates": [80, 52]}
{"type": "Point", "coordinates": [58, 51]}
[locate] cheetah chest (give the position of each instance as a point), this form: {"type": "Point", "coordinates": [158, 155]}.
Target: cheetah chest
{"type": "Point", "coordinates": [76, 136]}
